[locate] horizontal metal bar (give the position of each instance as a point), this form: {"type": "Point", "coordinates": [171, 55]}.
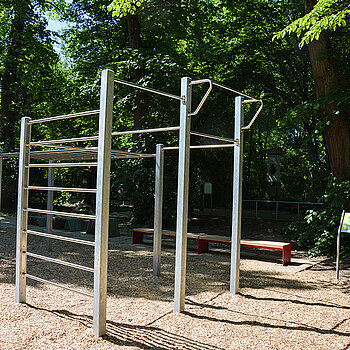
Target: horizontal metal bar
{"type": "Point", "coordinates": [66, 116]}
{"type": "Point", "coordinates": [195, 82]}
{"type": "Point", "coordinates": [61, 213]}
{"type": "Point", "coordinates": [235, 91]}
{"type": "Point", "coordinates": [93, 151]}
{"type": "Point", "coordinates": [135, 155]}
{"type": "Point", "coordinates": [225, 145]}
{"type": "Point", "coordinates": [142, 131]}
{"type": "Point", "coordinates": [251, 99]}
{"type": "Point", "coordinates": [281, 202]}
{"type": "Point", "coordinates": [66, 148]}
{"type": "Point", "coordinates": [60, 165]}
{"type": "Point", "coordinates": [158, 92]}
{"type": "Point", "coordinates": [60, 262]}
{"type": "Point", "coordinates": [74, 139]}
{"type": "Point", "coordinates": [57, 285]}
{"type": "Point", "coordinates": [67, 189]}
{"type": "Point", "coordinates": [202, 134]}
{"type": "Point", "coordinates": [61, 238]}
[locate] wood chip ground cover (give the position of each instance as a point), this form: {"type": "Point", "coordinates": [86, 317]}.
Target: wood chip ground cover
{"type": "Point", "coordinates": [277, 307]}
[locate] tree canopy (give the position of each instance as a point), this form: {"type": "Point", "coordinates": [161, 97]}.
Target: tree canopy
{"type": "Point", "coordinates": [291, 55]}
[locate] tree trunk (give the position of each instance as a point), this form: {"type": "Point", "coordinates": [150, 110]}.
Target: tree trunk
{"type": "Point", "coordinates": [337, 134]}
{"type": "Point", "coordinates": [134, 31]}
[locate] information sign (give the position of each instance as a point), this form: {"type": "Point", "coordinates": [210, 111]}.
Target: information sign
{"type": "Point", "coordinates": [344, 227]}
{"type": "Point", "coordinates": [346, 223]}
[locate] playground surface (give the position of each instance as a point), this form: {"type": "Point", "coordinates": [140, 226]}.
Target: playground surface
{"type": "Point", "coordinates": [300, 306]}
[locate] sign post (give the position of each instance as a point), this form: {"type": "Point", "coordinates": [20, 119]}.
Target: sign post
{"type": "Point", "coordinates": [344, 227]}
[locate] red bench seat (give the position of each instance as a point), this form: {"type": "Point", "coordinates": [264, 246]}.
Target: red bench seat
{"type": "Point", "coordinates": [204, 240]}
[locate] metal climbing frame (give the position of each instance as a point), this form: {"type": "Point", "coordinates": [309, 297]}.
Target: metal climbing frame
{"type": "Point", "coordinates": [102, 205]}
{"type": "Point", "coordinates": [104, 154]}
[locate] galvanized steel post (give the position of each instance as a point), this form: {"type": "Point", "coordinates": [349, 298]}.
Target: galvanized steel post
{"type": "Point", "coordinates": [22, 215]}
{"type": "Point", "coordinates": [237, 197]}
{"type": "Point", "coordinates": [182, 195]}
{"type": "Point", "coordinates": [49, 218]}
{"type": "Point", "coordinates": [158, 209]}
{"type": "Point", "coordinates": [338, 246]}
{"type": "Point", "coordinates": [102, 202]}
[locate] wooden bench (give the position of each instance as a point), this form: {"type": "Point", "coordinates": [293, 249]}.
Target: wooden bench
{"type": "Point", "coordinates": [204, 240]}
{"type": "Point", "coordinates": [137, 237]}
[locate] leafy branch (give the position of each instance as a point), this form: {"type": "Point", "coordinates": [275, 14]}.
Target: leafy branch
{"type": "Point", "coordinates": [325, 15]}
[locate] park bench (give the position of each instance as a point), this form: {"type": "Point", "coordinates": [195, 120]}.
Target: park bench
{"type": "Point", "coordinates": [204, 240]}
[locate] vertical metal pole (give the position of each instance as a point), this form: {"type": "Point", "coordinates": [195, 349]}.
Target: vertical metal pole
{"type": "Point", "coordinates": [49, 218]}
{"type": "Point", "coordinates": [158, 209]}
{"type": "Point", "coordinates": [256, 209]}
{"type": "Point", "coordinates": [298, 212]}
{"type": "Point", "coordinates": [338, 245]}
{"type": "Point", "coordinates": [276, 210]}
{"type": "Point", "coordinates": [237, 197]}
{"type": "Point", "coordinates": [22, 216]}
{"type": "Point", "coordinates": [102, 202]}
{"type": "Point", "coordinates": [182, 196]}
{"type": "Point", "coordinates": [0, 182]}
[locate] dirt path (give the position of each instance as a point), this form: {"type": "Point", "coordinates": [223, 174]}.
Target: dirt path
{"type": "Point", "coordinates": [277, 308]}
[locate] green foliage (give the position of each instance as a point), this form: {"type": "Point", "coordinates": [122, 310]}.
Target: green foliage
{"type": "Point", "coordinates": [121, 8]}
{"type": "Point", "coordinates": [318, 234]}
{"type": "Point", "coordinates": [325, 15]}
{"type": "Point", "coordinates": [218, 39]}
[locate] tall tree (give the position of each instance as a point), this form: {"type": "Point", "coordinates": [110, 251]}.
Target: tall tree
{"type": "Point", "coordinates": [334, 115]}
{"type": "Point", "coordinates": [326, 77]}
{"type": "Point", "coordinates": [27, 63]}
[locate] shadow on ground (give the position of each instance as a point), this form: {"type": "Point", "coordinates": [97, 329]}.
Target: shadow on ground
{"type": "Point", "coordinates": [143, 337]}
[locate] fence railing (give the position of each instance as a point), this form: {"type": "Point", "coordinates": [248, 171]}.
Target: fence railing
{"type": "Point", "coordinates": [278, 210]}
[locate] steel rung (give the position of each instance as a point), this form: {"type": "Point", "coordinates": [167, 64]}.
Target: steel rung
{"type": "Point", "coordinates": [224, 145]}
{"type": "Point", "coordinates": [61, 238]}
{"type": "Point", "coordinates": [202, 134]}
{"type": "Point", "coordinates": [142, 131]}
{"type": "Point", "coordinates": [60, 213]}
{"type": "Point", "coordinates": [59, 165]}
{"type": "Point", "coordinates": [67, 189]}
{"type": "Point", "coordinates": [61, 262]}
{"type": "Point", "coordinates": [35, 278]}
{"type": "Point", "coordinates": [75, 139]}
{"type": "Point", "coordinates": [158, 92]}
{"type": "Point", "coordinates": [66, 116]}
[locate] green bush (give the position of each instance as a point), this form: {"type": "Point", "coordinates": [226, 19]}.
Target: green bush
{"type": "Point", "coordinates": [319, 231]}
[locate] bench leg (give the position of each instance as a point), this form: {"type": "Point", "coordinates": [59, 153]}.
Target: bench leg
{"type": "Point", "coordinates": [203, 246]}
{"type": "Point", "coordinates": [286, 254]}
{"type": "Point", "coordinates": [137, 237]}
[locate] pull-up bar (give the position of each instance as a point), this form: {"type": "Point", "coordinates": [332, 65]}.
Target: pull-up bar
{"type": "Point", "coordinates": [202, 134]}
{"type": "Point", "coordinates": [221, 145]}
{"type": "Point", "coordinates": [158, 92]}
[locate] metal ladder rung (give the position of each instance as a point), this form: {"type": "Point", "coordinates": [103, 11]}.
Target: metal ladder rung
{"type": "Point", "coordinates": [35, 278]}
{"type": "Point", "coordinates": [61, 238]}
{"type": "Point", "coordinates": [61, 262]}
{"type": "Point", "coordinates": [59, 165]}
{"type": "Point", "coordinates": [67, 189]}
{"type": "Point", "coordinates": [74, 139]}
{"type": "Point", "coordinates": [61, 213]}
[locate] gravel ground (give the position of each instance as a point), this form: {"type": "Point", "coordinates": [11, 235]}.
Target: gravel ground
{"type": "Point", "coordinates": [277, 307]}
